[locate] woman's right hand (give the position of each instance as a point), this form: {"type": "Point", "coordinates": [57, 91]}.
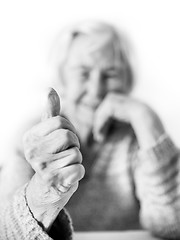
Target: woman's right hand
{"type": "Point", "coordinates": [52, 149]}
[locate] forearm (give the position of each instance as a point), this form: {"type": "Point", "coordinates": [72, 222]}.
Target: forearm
{"type": "Point", "coordinates": [147, 126]}
{"type": "Point", "coordinates": [18, 222]}
{"type": "Point", "coordinates": [157, 182]}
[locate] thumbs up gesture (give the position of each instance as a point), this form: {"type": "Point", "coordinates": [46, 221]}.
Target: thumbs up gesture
{"type": "Point", "coordinates": [52, 149]}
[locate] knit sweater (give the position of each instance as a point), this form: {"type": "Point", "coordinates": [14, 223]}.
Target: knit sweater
{"type": "Point", "coordinates": [126, 188]}
{"type": "Point", "coordinates": [17, 222]}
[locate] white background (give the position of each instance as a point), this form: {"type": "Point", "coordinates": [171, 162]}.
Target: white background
{"type": "Point", "coordinates": [28, 28]}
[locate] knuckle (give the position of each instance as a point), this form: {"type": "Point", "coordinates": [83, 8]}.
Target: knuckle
{"type": "Point", "coordinates": [75, 187]}
{"type": "Point", "coordinates": [47, 177]}
{"type": "Point", "coordinates": [77, 154]}
{"type": "Point", "coordinates": [59, 121]}
{"type": "Point", "coordinates": [29, 154]}
{"type": "Point", "coordinates": [31, 150]}
{"type": "Point", "coordinates": [37, 167]}
{"type": "Point", "coordinates": [66, 134]}
{"type": "Point", "coordinates": [29, 138]}
{"type": "Point", "coordinates": [81, 171]}
{"type": "Point", "coordinates": [68, 138]}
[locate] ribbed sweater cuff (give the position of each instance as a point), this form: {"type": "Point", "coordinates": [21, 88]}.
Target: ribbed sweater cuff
{"type": "Point", "coordinates": [30, 227]}
{"type": "Point", "coordinates": [160, 155]}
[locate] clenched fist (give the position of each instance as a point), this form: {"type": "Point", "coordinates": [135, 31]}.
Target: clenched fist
{"type": "Point", "coordinates": [52, 149]}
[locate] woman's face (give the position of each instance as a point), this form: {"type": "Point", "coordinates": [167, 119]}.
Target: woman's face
{"type": "Point", "coordinates": [92, 70]}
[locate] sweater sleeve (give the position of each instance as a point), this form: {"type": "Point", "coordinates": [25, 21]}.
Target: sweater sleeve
{"type": "Point", "coordinates": [157, 178]}
{"type": "Point", "coordinates": [17, 222]}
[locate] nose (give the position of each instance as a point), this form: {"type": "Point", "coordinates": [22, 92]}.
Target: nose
{"type": "Point", "coordinates": [96, 87]}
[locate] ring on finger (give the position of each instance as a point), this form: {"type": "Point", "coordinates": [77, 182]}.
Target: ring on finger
{"type": "Point", "coordinates": [62, 188]}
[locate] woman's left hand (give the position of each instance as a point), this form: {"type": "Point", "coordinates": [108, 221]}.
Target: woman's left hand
{"type": "Point", "coordinates": [145, 122]}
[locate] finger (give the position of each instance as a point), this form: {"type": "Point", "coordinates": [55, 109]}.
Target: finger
{"type": "Point", "coordinates": [58, 141]}
{"type": "Point", "coordinates": [54, 143]}
{"type": "Point", "coordinates": [67, 195]}
{"type": "Point", "coordinates": [49, 163]}
{"type": "Point", "coordinates": [65, 158]}
{"type": "Point", "coordinates": [49, 166]}
{"type": "Point", "coordinates": [52, 107]}
{"type": "Point", "coordinates": [69, 175]}
{"type": "Point", "coordinates": [63, 176]}
{"type": "Point", "coordinates": [46, 127]}
{"type": "Point", "coordinates": [103, 117]}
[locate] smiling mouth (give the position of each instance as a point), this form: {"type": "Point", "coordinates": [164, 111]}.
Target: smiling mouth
{"type": "Point", "coordinates": [92, 105]}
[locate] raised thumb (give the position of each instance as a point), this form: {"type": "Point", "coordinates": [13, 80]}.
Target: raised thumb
{"type": "Point", "coordinates": [52, 107]}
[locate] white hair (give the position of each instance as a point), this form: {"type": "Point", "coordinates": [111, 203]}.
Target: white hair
{"type": "Point", "coordinates": [61, 47]}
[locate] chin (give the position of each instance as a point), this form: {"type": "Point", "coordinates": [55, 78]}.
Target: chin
{"type": "Point", "coordinates": [81, 115]}
{"type": "Point", "coordinates": [86, 112]}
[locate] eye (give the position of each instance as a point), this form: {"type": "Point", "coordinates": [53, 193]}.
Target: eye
{"type": "Point", "coordinates": [110, 75]}
{"type": "Point", "coordinates": [114, 79]}
{"type": "Point", "coordinates": [114, 74]}
{"type": "Point", "coordinates": [84, 74]}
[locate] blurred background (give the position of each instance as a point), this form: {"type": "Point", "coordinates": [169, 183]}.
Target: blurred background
{"type": "Point", "coordinates": [27, 32]}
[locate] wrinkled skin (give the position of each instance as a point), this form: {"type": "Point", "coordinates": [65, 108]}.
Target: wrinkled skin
{"type": "Point", "coordinates": [52, 149]}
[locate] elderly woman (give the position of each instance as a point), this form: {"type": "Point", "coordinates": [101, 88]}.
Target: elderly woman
{"type": "Point", "coordinates": [132, 173]}
{"type": "Point", "coordinates": [132, 165]}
